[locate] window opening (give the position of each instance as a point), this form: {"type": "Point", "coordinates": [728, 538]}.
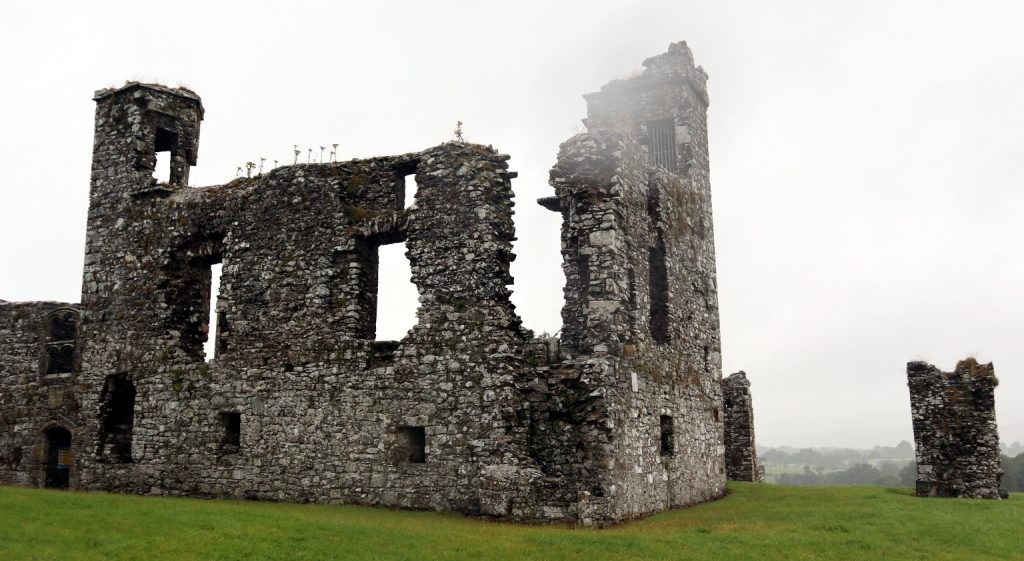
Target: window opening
{"type": "Point", "coordinates": [410, 190]}
{"type": "Point", "coordinates": [214, 342]}
{"type": "Point", "coordinates": [661, 142]}
{"type": "Point", "coordinates": [397, 296]}
{"type": "Point", "coordinates": [164, 145]}
{"type": "Point", "coordinates": [658, 278]}
{"type": "Point", "coordinates": [411, 445]}
{"type": "Point", "coordinates": [59, 457]}
{"type": "Point", "coordinates": [60, 341]}
{"type": "Point", "coordinates": [188, 287]}
{"type": "Point", "coordinates": [231, 422]}
{"type": "Point", "coordinates": [117, 419]}
{"type": "Point", "coordinates": [667, 436]}
{"type": "Point", "coordinates": [162, 171]}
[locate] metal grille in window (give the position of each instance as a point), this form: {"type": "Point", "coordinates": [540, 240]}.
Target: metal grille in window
{"type": "Point", "coordinates": [61, 340]}
{"type": "Point", "coordinates": [661, 141]}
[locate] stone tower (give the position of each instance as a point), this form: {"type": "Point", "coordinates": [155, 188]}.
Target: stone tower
{"type": "Point", "coordinates": [740, 449]}
{"type": "Point", "coordinates": [955, 434]}
{"type": "Point", "coordinates": [641, 300]}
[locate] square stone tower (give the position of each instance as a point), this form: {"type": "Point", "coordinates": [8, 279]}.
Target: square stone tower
{"type": "Point", "coordinates": [641, 298]}
{"type": "Point", "coordinates": [955, 434]}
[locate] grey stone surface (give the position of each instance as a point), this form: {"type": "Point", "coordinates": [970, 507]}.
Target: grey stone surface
{"type": "Point", "coordinates": [955, 435]}
{"type": "Point", "coordinates": [740, 448]}
{"type": "Point", "coordinates": [469, 412]}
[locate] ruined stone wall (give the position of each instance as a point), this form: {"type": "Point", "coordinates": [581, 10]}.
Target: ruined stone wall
{"type": "Point", "coordinates": [322, 407]}
{"type": "Point", "coordinates": [955, 435]}
{"type": "Point", "coordinates": [38, 370]}
{"type": "Point", "coordinates": [300, 402]}
{"type": "Point", "coordinates": [740, 449]}
{"type": "Point", "coordinates": [641, 309]}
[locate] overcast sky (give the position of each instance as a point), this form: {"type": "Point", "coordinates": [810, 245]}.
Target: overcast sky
{"type": "Point", "coordinates": [866, 158]}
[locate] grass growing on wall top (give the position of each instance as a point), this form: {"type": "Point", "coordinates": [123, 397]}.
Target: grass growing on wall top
{"type": "Point", "coordinates": [756, 522]}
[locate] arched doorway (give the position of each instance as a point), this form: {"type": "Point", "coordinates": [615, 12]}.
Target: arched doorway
{"type": "Point", "coordinates": [58, 457]}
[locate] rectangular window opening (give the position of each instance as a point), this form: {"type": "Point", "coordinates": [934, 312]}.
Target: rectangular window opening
{"type": "Point", "coordinates": [231, 423]}
{"type": "Point", "coordinates": [117, 419]}
{"type": "Point", "coordinates": [162, 171]}
{"type": "Point", "coordinates": [191, 287]}
{"type": "Point", "coordinates": [214, 339]}
{"type": "Point", "coordinates": [396, 312]}
{"type": "Point", "coordinates": [667, 436]}
{"type": "Point", "coordinates": [410, 190]}
{"type": "Point", "coordinates": [411, 445]}
{"type": "Point", "coordinates": [661, 143]}
{"type": "Point", "coordinates": [658, 279]}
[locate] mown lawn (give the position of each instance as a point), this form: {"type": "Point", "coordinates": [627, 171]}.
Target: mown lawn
{"type": "Point", "coordinates": [756, 521]}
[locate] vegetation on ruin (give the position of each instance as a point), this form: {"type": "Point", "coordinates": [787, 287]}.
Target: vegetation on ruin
{"type": "Point", "coordinates": [756, 522]}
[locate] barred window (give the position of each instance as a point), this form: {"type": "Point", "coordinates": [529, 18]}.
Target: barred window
{"type": "Point", "coordinates": [661, 137]}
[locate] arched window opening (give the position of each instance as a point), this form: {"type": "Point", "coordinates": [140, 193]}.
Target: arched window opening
{"type": "Point", "coordinates": [60, 341]}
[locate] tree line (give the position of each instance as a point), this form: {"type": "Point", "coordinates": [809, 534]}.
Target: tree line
{"type": "Point", "coordinates": [882, 465]}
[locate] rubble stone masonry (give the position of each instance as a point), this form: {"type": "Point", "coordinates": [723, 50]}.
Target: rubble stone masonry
{"type": "Point", "coordinates": [955, 434]}
{"type": "Point", "coordinates": [469, 412]}
{"type": "Point", "coordinates": [740, 449]}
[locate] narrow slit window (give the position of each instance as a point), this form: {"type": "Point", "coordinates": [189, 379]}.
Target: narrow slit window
{"type": "Point", "coordinates": [410, 190]}
{"type": "Point", "coordinates": [667, 436]}
{"type": "Point", "coordinates": [231, 424]}
{"type": "Point", "coordinates": [411, 445]}
{"type": "Point", "coordinates": [583, 274]}
{"type": "Point", "coordinates": [658, 277]}
{"type": "Point", "coordinates": [397, 295]}
{"type": "Point", "coordinates": [214, 342]}
{"type": "Point", "coordinates": [661, 142]}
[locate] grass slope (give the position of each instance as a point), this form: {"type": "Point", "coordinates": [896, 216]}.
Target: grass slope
{"type": "Point", "coordinates": [755, 522]}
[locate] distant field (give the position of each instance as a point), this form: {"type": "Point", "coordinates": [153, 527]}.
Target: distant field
{"type": "Point", "coordinates": [756, 522]}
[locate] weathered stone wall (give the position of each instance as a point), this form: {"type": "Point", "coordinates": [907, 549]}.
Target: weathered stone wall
{"type": "Point", "coordinates": [35, 395]}
{"type": "Point", "coordinates": [641, 307]}
{"type": "Point", "coordinates": [740, 449]}
{"type": "Point", "coordinates": [468, 412]}
{"type": "Point", "coordinates": [955, 434]}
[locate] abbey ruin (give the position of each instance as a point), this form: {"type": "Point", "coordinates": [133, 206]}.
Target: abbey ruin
{"type": "Point", "coordinates": [619, 417]}
{"type": "Point", "coordinates": [955, 436]}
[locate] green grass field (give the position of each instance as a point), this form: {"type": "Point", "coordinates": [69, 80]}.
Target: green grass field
{"type": "Point", "coordinates": [755, 522]}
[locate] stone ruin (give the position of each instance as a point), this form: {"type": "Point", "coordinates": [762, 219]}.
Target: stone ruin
{"type": "Point", "coordinates": [740, 450]}
{"type": "Point", "coordinates": [469, 412]}
{"type": "Point", "coordinates": [955, 434]}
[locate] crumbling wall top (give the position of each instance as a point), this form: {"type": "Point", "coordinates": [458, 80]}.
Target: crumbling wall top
{"type": "Point", "coordinates": [131, 86]}
{"type": "Point", "coordinates": [674, 65]}
{"type": "Point", "coordinates": [737, 379]}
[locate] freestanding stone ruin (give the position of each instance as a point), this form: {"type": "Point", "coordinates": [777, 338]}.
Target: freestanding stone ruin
{"type": "Point", "coordinates": [955, 434]}
{"type": "Point", "coordinates": [740, 450]}
{"type": "Point", "coordinates": [469, 412]}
